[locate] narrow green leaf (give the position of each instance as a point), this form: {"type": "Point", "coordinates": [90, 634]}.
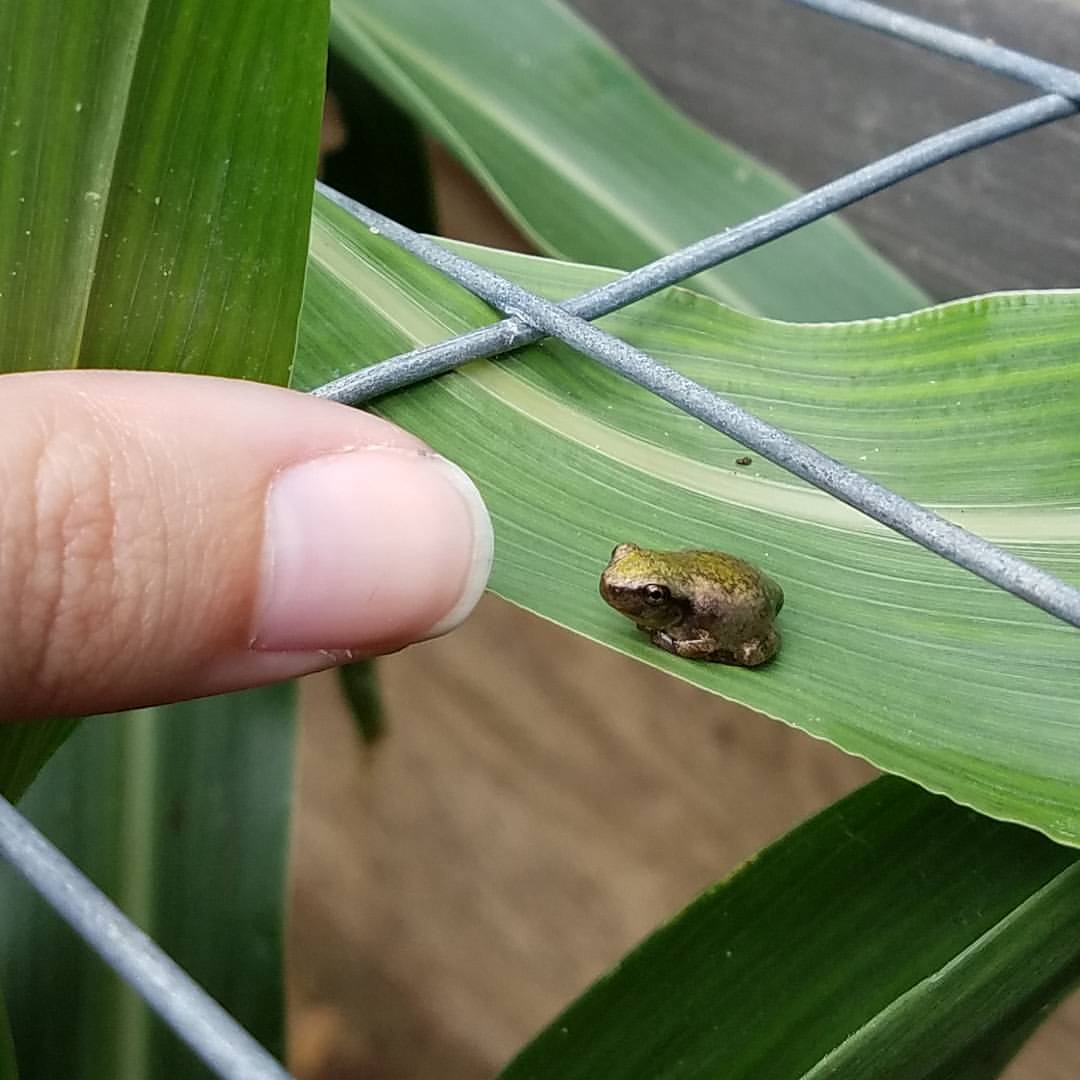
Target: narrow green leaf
{"type": "Point", "coordinates": [360, 685]}
{"type": "Point", "coordinates": [889, 652]}
{"type": "Point", "coordinates": [590, 161]}
{"type": "Point", "coordinates": [180, 815]}
{"type": "Point", "coordinates": [24, 750]}
{"type": "Point", "coordinates": [8, 1069]}
{"type": "Point", "coordinates": [383, 163]}
{"type": "Point", "coordinates": [889, 937]}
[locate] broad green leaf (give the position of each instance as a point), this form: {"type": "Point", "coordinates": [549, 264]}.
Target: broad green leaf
{"type": "Point", "coordinates": [894, 935]}
{"type": "Point", "coordinates": [154, 212]}
{"type": "Point", "coordinates": [889, 652]}
{"type": "Point", "coordinates": [158, 161]}
{"type": "Point", "coordinates": [591, 162]}
{"type": "Point", "coordinates": [154, 200]}
{"type": "Point", "coordinates": [180, 815]}
{"type": "Point", "coordinates": [150, 216]}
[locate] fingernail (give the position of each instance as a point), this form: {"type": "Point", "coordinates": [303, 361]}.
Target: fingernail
{"type": "Point", "coordinates": [369, 550]}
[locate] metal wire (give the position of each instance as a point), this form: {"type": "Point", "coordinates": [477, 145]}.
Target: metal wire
{"type": "Point", "coordinates": [973, 553]}
{"type": "Point", "coordinates": [423, 363]}
{"type": "Point", "coordinates": [985, 54]}
{"type": "Point", "coordinates": [198, 1020]}
{"type": "Point", "coordinates": [532, 317]}
{"type": "Point", "coordinates": [213, 1035]}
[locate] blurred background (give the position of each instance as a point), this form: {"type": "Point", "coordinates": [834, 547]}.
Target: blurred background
{"type": "Point", "coordinates": [514, 834]}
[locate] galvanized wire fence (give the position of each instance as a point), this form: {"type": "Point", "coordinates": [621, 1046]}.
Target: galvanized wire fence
{"type": "Point", "coordinates": [198, 1020]}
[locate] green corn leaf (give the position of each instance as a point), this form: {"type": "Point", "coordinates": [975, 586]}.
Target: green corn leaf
{"type": "Point", "coordinates": [180, 815]}
{"type": "Point", "coordinates": [360, 685]}
{"type": "Point", "coordinates": [24, 749]}
{"type": "Point", "coordinates": [895, 935]}
{"type": "Point", "coordinates": [150, 215]}
{"type": "Point", "coordinates": [158, 159]}
{"type": "Point", "coordinates": [889, 652]}
{"type": "Point", "coordinates": [8, 1070]}
{"type": "Point", "coordinates": [378, 132]}
{"type": "Point", "coordinates": [590, 162]}
{"type": "Point", "coordinates": [154, 212]}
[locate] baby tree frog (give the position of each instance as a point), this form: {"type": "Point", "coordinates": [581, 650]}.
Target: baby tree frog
{"type": "Point", "coordinates": [704, 605]}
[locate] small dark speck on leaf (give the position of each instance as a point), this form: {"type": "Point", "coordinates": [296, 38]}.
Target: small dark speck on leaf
{"type": "Point", "coordinates": [744, 461]}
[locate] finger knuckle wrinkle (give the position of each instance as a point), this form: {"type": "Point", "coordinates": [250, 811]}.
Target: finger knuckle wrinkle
{"type": "Point", "coordinates": [68, 578]}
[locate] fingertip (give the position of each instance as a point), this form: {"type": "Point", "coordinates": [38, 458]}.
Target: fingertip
{"type": "Point", "coordinates": [369, 550]}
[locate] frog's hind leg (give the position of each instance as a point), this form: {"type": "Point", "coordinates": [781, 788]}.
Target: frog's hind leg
{"type": "Point", "coordinates": [699, 648]}
{"type": "Point", "coordinates": [758, 650]}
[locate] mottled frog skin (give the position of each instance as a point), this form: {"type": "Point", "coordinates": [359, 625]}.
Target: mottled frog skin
{"type": "Point", "coordinates": [704, 605]}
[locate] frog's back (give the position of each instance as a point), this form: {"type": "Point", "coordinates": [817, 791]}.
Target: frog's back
{"type": "Point", "coordinates": [730, 574]}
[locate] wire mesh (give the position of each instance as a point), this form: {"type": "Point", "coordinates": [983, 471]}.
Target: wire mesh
{"type": "Point", "coordinates": [965, 549]}
{"type": "Point", "coordinates": [534, 317]}
{"type": "Point", "coordinates": [213, 1035]}
{"type": "Point", "coordinates": [423, 363]}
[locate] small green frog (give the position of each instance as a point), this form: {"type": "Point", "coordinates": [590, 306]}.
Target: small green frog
{"type": "Point", "coordinates": [704, 605]}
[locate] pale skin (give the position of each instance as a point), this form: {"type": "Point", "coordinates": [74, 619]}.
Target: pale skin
{"type": "Point", "coordinates": [700, 605]}
{"type": "Point", "coordinates": [171, 536]}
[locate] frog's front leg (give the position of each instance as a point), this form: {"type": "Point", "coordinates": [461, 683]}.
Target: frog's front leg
{"type": "Point", "coordinates": [695, 648]}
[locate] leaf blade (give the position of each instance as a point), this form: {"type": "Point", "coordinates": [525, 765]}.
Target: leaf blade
{"type": "Point", "coordinates": [92, 97]}
{"type": "Point", "coordinates": [61, 111]}
{"type": "Point", "coordinates": [865, 608]}
{"type": "Point", "coordinates": [802, 923]}
{"type": "Point", "coordinates": [8, 1069]}
{"type": "Point", "coordinates": [179, 815]}
{"type": "Point", "coordinates": [25, 750]}
{"type": "Point", "coordinates": [146, 251]}
{"type": "Point", "coordinates": [359, 683]}
{"type": "Point", "coordinates": [591, 162]}
{"type": "Point", "coordinates": [160, 216]}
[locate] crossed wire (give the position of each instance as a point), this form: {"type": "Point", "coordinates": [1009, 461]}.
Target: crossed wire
{"type": "Point", "coordinates": [210, 1032]}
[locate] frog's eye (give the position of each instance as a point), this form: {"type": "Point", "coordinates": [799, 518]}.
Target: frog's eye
{"type": "Point", "coordinates": [656, 594]}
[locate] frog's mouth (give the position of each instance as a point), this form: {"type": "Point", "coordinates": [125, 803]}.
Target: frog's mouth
{"type": "Point", "coordinates": [652, 619]}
